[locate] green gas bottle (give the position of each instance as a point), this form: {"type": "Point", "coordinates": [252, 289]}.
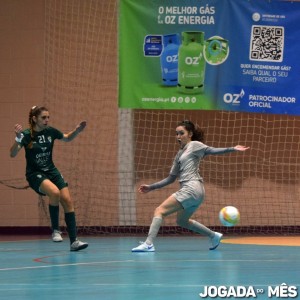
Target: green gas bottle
{"type": "Point", "coordinates": [191, 63]}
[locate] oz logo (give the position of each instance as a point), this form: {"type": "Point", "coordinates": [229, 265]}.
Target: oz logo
{"type": "Point", "coordinates": [193, 60]}
{"type": "Point", "coordinates": [234, 99]}
{"type": "Point", "coordinates": [172, 58]}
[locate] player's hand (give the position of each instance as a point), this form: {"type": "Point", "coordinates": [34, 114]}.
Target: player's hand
{"type": "Point", "coordinates": [144, 188]}
{"type": "Point", "coordinates": [241, 148]}
{"type": "Point", "coordinates": [80, 126]}
{"type": "Point", "coordinates": [18, 129]}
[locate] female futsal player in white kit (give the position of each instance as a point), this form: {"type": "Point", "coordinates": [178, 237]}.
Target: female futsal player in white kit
{"type": "Point", "coordinates": [191, 193]}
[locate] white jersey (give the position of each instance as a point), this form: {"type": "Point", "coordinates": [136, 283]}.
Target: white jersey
{"type": "Point", "coordinates": [186, 163]}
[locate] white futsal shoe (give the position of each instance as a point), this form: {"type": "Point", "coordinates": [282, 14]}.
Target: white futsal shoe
{"type": "Point", "coordinates": [78, 245]}
{"type": "Point", "coordinates": [215, 240]}
{"type": "Point", "coordinates": [144, 247]}
{"type": "Point", "coordinates": [56, 236]}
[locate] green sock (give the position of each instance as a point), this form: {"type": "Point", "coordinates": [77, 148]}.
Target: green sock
{"type": "Point", "coordinates": [54, 216]}
{"type": "Point", "coordinates": [71, 226]}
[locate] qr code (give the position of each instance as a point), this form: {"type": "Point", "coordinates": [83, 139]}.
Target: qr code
{"type": "Point", "coordinates": [267, 43]}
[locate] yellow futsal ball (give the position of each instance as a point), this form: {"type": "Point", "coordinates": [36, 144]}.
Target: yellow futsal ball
{"type": "Point", "coordinates": [229, 216]}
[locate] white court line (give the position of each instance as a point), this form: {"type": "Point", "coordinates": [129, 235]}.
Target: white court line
{"type": "Point", "coordinates": [65, 265]}
{"type": "Point", "coordinates": [143, 261]}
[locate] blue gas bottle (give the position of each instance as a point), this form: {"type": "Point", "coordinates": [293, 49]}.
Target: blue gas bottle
{"type": "Point", "coordinates": [169, 59]}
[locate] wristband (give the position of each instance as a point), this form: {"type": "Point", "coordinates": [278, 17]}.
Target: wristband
{"type": "Point", "coordinates": [19, 140]}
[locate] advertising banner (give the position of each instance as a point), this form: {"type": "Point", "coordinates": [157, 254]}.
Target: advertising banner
{"type": "Point", "coordinates": [235, 55]}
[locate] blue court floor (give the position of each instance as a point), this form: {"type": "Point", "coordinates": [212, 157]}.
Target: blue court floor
{"type": "Point", "coordinates": [181, 268]}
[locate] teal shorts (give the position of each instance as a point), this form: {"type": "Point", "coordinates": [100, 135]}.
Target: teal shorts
{"type": "Point", "coordinates": [35, 179]}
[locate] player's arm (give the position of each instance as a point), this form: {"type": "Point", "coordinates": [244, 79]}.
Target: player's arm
{"type": "Point", "coordinates": [216, 151]}
{"type": "Point", "coordinates": [68, 137]}
{"type": "Point", "coordinates": [145, 188]}
{"type": "Point", "coordinates": [16, 147]}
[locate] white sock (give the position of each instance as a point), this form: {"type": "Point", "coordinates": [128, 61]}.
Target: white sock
{"type": "Point", "coordinates": [154, 228]}
{"type": "Point", "coordinates": [200, 228]}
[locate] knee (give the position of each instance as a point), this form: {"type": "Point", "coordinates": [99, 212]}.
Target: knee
{"type": "Point", "coordinates": [66, 201]}
{"type": "Point", "coordinates": [54, 193]}
{"type": "Point", "coordinates": [54, 196]}
{"type": "Point", "coordinates": [159, 212]}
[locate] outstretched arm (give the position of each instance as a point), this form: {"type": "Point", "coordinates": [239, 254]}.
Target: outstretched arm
{"type": "Point", "coordinates": [215, 151]}
{"type": "Point", "coordinates": [68, 137]}
{"type": "Point", "coordinates": [145, 188]}
{"type": "Point", "coordinates": [16, 147]}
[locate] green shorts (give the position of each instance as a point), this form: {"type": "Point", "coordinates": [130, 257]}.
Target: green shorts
{"type": "Point", "coordinates": [35, 179]}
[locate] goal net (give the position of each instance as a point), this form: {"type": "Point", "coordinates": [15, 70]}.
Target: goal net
{"type": "Point", "coordinates": [120, 149]}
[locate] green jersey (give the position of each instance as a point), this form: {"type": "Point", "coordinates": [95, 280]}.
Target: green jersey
{"type": "Point", "coordinates": [39, 154]}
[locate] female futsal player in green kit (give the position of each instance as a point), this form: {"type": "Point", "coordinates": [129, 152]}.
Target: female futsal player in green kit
{"type": "Point", "coordinates": [191, 193]}
{"type": "Point", "coordinates": [41, 173]}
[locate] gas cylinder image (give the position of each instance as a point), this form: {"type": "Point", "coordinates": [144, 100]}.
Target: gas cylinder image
{"type": "Point", "coordinates": [169, 59]}
{"type": "Point", "coordinates": [191, 63]}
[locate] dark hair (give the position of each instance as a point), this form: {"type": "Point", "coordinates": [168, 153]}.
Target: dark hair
{"type": "Point", "coordinates": [35, 111]}
{"type": "Point", "coordinates": [197, 132]}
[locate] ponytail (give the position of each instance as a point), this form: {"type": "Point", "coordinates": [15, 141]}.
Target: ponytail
{"type": "Point", "coordinates": [197, 132]}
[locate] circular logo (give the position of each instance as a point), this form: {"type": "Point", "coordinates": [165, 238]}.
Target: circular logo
{"type": "Point", "coordinates": [256, 17]}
